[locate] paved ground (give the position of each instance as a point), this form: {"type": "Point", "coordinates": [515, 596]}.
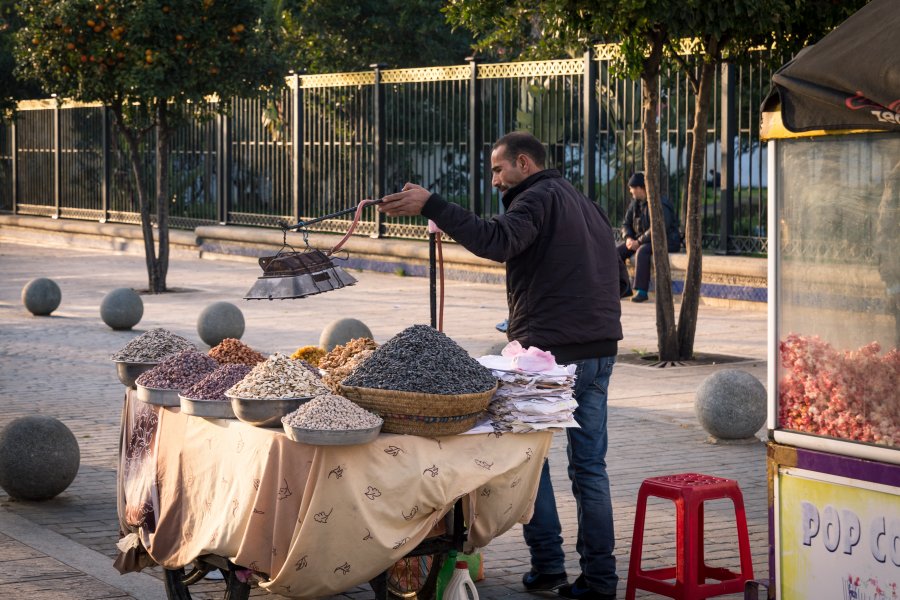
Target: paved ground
{"type": "Point", "coordinates": [59, 365]}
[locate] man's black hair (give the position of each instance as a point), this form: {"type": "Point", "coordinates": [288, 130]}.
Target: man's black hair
{"type": "Point", "coordinates": [637, 180]}
{"type": "Point", "coordinates": [522, 142]}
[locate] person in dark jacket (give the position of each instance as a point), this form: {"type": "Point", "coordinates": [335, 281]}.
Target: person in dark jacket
{"type": "Point", "coordinates": [636, 234]}
{"type": "Point", "coordinates": [563, 287]}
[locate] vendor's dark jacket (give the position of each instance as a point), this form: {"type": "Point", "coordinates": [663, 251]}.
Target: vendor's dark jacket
{"type": "Point", "coordinates": [562, 271]}
{"type": "Point", "coordinates": [637, 223]}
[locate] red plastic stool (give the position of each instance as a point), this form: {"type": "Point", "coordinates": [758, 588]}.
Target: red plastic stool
{"type": "Point", "coordinates": [689, 491]}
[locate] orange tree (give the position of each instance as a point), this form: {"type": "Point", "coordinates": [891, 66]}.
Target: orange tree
{"type": "Point", "coordinates": [151, 62]}
{"type": "Point", "coordinates": [649, 33]}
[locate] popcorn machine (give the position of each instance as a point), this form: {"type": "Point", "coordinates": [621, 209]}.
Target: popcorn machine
{"type": "Point", "coordinates": [833, 128]}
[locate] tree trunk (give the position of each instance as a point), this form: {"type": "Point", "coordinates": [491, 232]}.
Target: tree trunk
{"type": "Point", "coordinates": [132, 140]}
{"type": "Point", "coordinates": [693, 233]}
{"type": "Point", "coordinates": [163, 144]}
{"type": "Point", "coordinates": [665, 309]}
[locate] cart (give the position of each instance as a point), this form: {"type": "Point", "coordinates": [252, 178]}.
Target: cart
{"type": "Point", "coordinates": [834, 317]}
{"type": "Point", "coordinates": [310, 521]}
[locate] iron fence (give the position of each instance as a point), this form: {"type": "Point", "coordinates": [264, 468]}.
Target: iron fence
{"type": "Point", "coordinates": [325, 142]}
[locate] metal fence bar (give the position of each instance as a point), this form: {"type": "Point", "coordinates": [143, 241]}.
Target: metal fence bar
{"type": "Point", "coordinates": [328, 141]}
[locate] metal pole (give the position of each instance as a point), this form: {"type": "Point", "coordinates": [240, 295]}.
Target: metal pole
{"type": "Point", "coordinates": [475, 139]}
{"type": "Point", "coordinates": [15, 166]}
{"type": "Point", "coordinates": [104, 170]}
{"type": "Point", "coordinates": [297, 147]}
{"type": "Point", "coordinates": [56, 160]}
{"type": "Point", "coordinates": [589, 141]}
{"type": "Point", "coordinates": [432, 277]}
{"type": "Point", "coordinates": [380, 147]}
{"type": "Point", "coordinates": [729, 134]}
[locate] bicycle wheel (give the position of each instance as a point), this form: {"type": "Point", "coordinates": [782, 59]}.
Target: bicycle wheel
{"type": "Point", "coordinates": [415, 577]}
{"type": "Point", "coordinates": [178, 582]}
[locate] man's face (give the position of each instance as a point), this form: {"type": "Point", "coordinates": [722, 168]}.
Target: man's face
{"type": "Point", "coordinates": [638, 193]}
{"type": "Point", "coordinates": [506, 173]}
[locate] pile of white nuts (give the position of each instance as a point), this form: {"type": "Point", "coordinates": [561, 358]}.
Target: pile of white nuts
{"type": "Point", "coordinates": [278, 377]}
{"type": "Point", "coordinates": [331, 412]}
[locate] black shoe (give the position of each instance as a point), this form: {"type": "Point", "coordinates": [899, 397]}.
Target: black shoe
{"type": "Point", "coordinates": [534, 581]}
{"type": "Point", "coordinates": [627, 293]}
{"type": "Point", "coordinates": [640, 297]}
{"type": "Point", "coordinates": [580, 590]}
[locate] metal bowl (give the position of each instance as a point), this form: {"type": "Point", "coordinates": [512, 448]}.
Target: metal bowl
{"type": "Point", "coordinates": [211, 409]}
{"type": "Point", "coordinates": [158, 396]}
{"type": "Point", "coordinates": [331, 437]}
{"type": "Point", "coordinates": [129, 371]}
{"type": "Point", "coordinates": [265, 412]}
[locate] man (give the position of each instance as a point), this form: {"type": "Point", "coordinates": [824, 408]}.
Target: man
{"type": "Point", "coordinates": [636, 231]}
{"type": "Point", "coordinates": [563, 289]}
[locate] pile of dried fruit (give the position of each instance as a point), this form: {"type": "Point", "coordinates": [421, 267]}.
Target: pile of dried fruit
{"type": "Point", "coordinates": [311, 354]}
{"type": "Point", "coordinates": [232, 350]}
{"type": "Point", "coordinates": [178, 372]}
{"type": "Point", "coordinates": [214, 385]}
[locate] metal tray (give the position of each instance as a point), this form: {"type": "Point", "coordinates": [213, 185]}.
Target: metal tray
{"type": "Point", "coordinates": [158, 396]}
{"type": "Point", "coordinates": [211, 409]}
{"type": "Point", "coordinates": [129, 371]}
{"type": "Point", "coordinates": [331, 437]}
{"type": "Point", "coordinates": [264, 412]}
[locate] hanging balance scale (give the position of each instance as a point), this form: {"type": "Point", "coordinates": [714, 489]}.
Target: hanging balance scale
{"type": "Point", "coordinates": [290, 274]}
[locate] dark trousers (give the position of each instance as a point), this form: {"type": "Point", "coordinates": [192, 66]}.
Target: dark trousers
{"type": "Point", "coordinates": [642, 264]}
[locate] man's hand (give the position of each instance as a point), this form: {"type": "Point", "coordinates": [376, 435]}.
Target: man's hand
{"type": "Point", "coordinates": [632, 244]}
{"type": "Point", "coordinates": [407, 203]}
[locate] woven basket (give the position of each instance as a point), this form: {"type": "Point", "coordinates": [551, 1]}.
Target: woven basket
{"type": "Point", "coordinates": [415, 413]}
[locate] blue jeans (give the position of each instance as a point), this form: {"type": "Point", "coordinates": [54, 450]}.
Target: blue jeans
{"type": "Point", "coordinates": [590, 485]}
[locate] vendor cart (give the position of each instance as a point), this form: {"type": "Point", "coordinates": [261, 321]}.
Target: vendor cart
{"type": "Point", "coordinates": [308, 521]}
{"type": "Point", "coordinates": [833, 125]}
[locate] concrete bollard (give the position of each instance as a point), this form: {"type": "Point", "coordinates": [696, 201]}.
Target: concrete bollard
{"type": "Point", "coordinates": [41, 296]}
{"type": "Point", "coordinates": [731, 404]}
{"type": "Point", "coordinates": [122, 309]}
{"type": "Point", "coordinates": [218, 321]}
{"type": "Point", "coordinates": [39, 457]}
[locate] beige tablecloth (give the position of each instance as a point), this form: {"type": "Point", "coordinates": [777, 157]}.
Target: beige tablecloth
{"type": "Point", "coordinates": [312, 521]}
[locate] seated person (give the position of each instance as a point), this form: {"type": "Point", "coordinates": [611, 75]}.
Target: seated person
{"type": "Point", "coordinates": [636, 231]}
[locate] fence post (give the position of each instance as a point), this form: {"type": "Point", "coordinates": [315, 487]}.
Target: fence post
{"type": "Point", "coordinates": [104, 169]}
{"type": "Point", "coordinates": [223, 154]}
{"type": "Point", "coordinates": [729, 133]}
{"type": "Point", "coordinates": [56, 158]}
{"type": "Point", "coordinates": [297, 145]}
{"type": "Point", "coordinates": [475, 139]}
{"type": "Point", "coordinates": [589, 135]}
{"type": "Point", "coordinates": [15, 165]}
{"type": "Point", "coordinates": [380, 147]}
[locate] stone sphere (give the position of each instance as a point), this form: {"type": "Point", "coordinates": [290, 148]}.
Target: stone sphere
{"type": "Point", "coordinates": [339, 332]}
{"type": "Point", "coordinates": [122, 308]}
{"type": "Point", "coordinates": [39, 457]}
{"type": "Point", "coordinates": [41, 296]}
{"type": "Point", "coordinates": [218, 321]}
{"type": "Point", "coordinates": [731, 404]}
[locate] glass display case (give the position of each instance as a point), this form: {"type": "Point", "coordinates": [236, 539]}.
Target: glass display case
{"type": "Point", "coordinates": [834, 366]}
{"type": "Point", "coordinates": [836, 304]}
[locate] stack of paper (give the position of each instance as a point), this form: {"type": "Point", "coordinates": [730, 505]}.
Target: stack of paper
{"type": "Point", "coordinates": [529, 400]}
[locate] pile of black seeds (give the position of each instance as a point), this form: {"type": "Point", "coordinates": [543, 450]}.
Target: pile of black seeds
{"type": "Point", "coordinates": [153, 346]}
{"type": "Point", "coordinates": [214, 385]}
{"type": "Point", "coordinates": [422, 359]}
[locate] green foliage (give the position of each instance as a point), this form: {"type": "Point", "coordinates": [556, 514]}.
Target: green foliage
{"type": "Point", "coordinates": [12, 88]}
{"type": "Point", "coordinates": [130, 51]}
{"type": "Point", "coordinates": [334, 35]}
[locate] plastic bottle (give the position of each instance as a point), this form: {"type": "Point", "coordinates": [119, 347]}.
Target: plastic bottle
{"type": "Point", "coordinates": [460, 586]}
{"type": "Point", "coordinates": [445, 574]}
